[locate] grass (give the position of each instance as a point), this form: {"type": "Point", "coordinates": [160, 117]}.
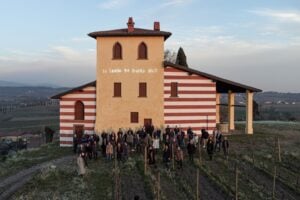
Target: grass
{"type": "Point", "coordinates": [26, 158]}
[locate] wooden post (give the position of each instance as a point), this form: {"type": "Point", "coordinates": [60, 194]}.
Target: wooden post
{"type": "Point", "coordinates": [231, 110]}
{"type": "Point", "coordinates": [279, 150]}
{"type": "Point", "coordinates": [236, 182]}
{"type": "Point", "coordinates": [173, 157]}
{"type": "Point", "coordinates": [274, 183]}
{"type": "Point", "coordinates": [145, 167]}
{"type": "Point", "coordinates": [158, 186]}
{"type": "Point", "coordinates": [249, 112]}
{"type": "Point", "coordinates": [197, 185]}
{"type": "Point", "coordinates": [199, 149]}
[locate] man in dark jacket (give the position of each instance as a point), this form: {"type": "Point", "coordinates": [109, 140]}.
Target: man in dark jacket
{"type": "Point", "coordinates": [210, 148]}
{"type": "Point", "coordinates": [218, 141]}
{"type": "Point", "coordinates": [191, 150]}
{"type": "Point", "coordinates": [225, 146]}
{"type": "Point", "coordinates": [166, 155]}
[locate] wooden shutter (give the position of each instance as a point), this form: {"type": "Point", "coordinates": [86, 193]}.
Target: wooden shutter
{"type": "Point", "coordinates": [79, 110]}
{"type": "Point", "coordinates": [174, 89]}
{"type": "Point", "coordinates": [117, 51]}
{"type": "Point", "coordinates": [142, 51]}
{"type": "Point", "coordinates": [143, 90]}
{"type": "Point", "coordinates": [134, 117]}
{"type": "Point", "coordinates": [117, 89]}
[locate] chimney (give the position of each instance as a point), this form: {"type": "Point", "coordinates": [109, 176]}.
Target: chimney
{"type": "Point", "coordinates": [130, 25]}
{"type": "Point", "coordinates": [156, 26]}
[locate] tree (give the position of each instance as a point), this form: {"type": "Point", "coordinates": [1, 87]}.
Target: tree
{"type": "Point", "coordinates": [170, 56]}
{"type": "Point", "coordinates": [181, 58]}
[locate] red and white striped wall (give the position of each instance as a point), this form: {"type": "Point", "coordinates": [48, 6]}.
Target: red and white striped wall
{"type": "Point", "coordinates": [67, 113]}
{"type": "Point", "coordinates": [195, 105]}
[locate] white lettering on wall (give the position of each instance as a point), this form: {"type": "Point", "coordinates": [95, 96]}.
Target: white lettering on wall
{"type": "Point", "coordinates": [129, 70]}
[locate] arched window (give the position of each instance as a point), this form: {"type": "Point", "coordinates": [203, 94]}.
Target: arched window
{"type": "Point", "coordinates": [79, 110]}
{"type": "Point", "coordinates": [142, 51]}
{"type": "Point", "coordinates": [117, 51]}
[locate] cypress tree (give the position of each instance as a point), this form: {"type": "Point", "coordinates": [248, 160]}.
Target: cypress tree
{"type": "Point", "coordinates": [181, 58]}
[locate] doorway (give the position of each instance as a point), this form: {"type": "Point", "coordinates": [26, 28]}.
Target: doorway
{"type": "Point", "coordinates": [147, 122]}
{"type": "Point", "coordinates": [78, 130]}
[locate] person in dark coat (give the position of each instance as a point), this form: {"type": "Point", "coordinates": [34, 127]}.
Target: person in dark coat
{"type": "Point", "coordinates": [204, 137]}
{"type": "Point", "coordinates": [210, 148]}
{"type": "Point", "coordinates": [190, 133]}
{"type": "Point", "coordinates": [151, 156]}
{"type": "Point", "coordinates": [119, 151]}
{"type": "Point", "coordinates": [166, 155]}
{"type": "Point", "coordinates": [191, 150]}
{"type": "Point", "coordinates": [75, 143]}
{"type": "Point", "coordinates": [225, 146]}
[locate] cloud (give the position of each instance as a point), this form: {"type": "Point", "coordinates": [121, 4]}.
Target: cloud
{"type": "Point", "coordinates": [174, 3]}
{"type": "Point", "coordinates": [281, 15]}
{"type": "Point", "coordinates": [112, 4]}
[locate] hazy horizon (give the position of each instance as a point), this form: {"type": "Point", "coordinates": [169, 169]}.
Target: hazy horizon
{"type": "Point", "coordinates": [256, 43]}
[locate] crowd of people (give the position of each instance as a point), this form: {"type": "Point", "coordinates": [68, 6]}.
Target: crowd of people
{"type": "Point", "coordinates": [172, 142]}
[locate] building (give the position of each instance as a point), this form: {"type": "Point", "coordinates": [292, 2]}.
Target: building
{"type": "Point", "coordinates": [134, 86]}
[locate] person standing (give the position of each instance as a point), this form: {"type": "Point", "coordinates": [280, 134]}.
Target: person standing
{"type": "Point", "coordinates": [151, 155]}
{"type": "Point", "coordinates": [191, 150]}
{"type": "Point", "coordinates": [179, 157]}
{"type": "Point", "coordinates": [210, 148]}
{"type": "Point", "coordinates": [81, 164]}
{"type": "Point", "coordinates": [204, 137]}
{"type": "Point", "coordinates": [156, 144]}
{"type": "Point", "coordinates": [109, 151]}
{"type": "Point", "coordinates": [218, 141]}
{"type": "Point", "coordinates": [225, 146]}
{"type": "Point", "coordinates": [119, 151]}
{"type": "Point", "coordinates": [166, 155]}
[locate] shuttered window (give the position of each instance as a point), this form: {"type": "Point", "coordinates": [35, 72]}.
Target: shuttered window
{"type": "Point", "coordinates": [174, 89]}
{"type": "Point", "coordinates": [134, 117]}
{"type": "Point", "coordinates": [79, 110]}
{"type": "Point", "coordinates": [143, 89]}
{"type": "Point", "coordinates": [142, 51]}
{"type": "Point", "coordinates": [117, 89]}
{"type": "Point", "coordinates": [117, 51]}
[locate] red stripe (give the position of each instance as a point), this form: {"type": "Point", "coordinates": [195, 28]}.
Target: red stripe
{"type": "Point", "coordinates": [189, 106]}
{"type": "Point", "coordinates": [71, 128]}
{"type": "Point", "coordinates": [185, 77]}
{"type": "Point", "coordinates": [72, 114]}
{"type": "Point", "coordinates": [66, 142]}
{"type": "Point", "coordinates": [188, 121]}
{"type": "Point", "coordinates": [199, 128]}
{"type": "Point", "coordinates": [65, 135]}
{"type": "Point", "coordinates": [78, 99]}
{"type": "Point", "coordinates": [171, 69]}
{"type": "Point", "coordinates": [191, 92]}
{"type": "Point", "coordinates": [72, 106]}
{"type": "Point", "coordinates": [76, 121]}
{"type": "Point", "coordinates": [192, 84]}
{"type": "Point", "coordinates": [189, 114]}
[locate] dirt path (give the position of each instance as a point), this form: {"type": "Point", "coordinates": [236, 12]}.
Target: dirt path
{"type": "Point", "coordinates": [11, 184]}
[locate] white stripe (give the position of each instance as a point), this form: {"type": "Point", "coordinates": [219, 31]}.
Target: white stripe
{"type": "Point", "coordinates": [72, 117]}
{"type": "Point", "coordinates": [80, 96]}
{"type": "Point", "coordinates": [177, 74]}
{"type": "Point", "coordinates": [66, 139]}
{"type": "Point", "coordinates": [188, 81]}
{"type": "Point", "coordinates": [192, 88]}
{"type": "Point", "coordinates": [189, 117]}
{"type": "Point", "coordinates": [72, 103]}
{"type": "Point", "coordinates": [191, 110]}
{"type": "Point", "coordinates": [89, 110]}
{"type": "Point", "coordinates": [192, 95]}
{"type": "Point", "coordinates": [91, 88]}
{"type": "Point", "coordinates": [179, 103]}
{"type": "Point", "coordinates": [71, 124]}
{"type": "Point", "coordinates": [66, 132]}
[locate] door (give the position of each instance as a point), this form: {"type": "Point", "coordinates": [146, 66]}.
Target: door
{"type": "Point", "coordinates": [78, 130]}
{"type": "Point", "coordinates": [147, 122]}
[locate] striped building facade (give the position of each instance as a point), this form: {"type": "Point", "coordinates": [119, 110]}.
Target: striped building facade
{"type": "Point", "coordinates": [195, 104]}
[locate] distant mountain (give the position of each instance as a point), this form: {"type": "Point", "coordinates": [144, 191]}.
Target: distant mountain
{"type": "Point", "coordinates": [11, 84]}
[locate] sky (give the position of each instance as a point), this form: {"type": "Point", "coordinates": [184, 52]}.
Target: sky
{"type": "Point", "coordinates": [255, 42]}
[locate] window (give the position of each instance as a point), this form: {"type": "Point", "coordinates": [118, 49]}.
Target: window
{"type": "Point", "coordinates": [117, 89]}
{"type": "Point", "coordinates": [174, 89]}
{"type": "Point", "coordinates": [143, 90]}
{"type": "Point", "coordinates": [117, 51]}
{"type": "Point", "coordinates": [142, 51]}
{"type": "Point", "coordinates": [134, 117]}
{"type": "Point", "coordinates": [79, 110]}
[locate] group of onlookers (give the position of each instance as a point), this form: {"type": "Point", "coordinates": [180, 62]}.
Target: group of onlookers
{"type": "Point", "coordinates": [148, 140]}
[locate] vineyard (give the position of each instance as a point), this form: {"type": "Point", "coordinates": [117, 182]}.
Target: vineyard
{"type": "Point", "coordinates": [262, 166]}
